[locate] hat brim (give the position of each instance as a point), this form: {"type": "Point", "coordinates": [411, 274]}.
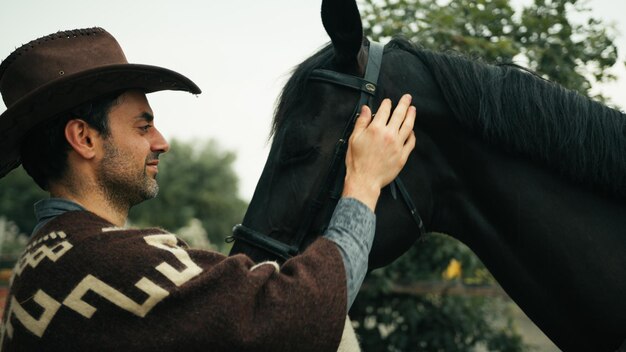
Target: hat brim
{"type": "Point", "coordinates": [67, 92]}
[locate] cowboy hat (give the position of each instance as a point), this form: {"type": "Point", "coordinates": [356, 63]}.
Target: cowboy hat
{"type": "Point", "coordinates": [58, 72]}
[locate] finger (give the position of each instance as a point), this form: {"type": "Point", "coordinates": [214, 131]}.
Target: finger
{"type": "Point", "coordinates": [364, 119]}
{"type": "Point", "coordinates": [408, 146]}
{"type": "Point", "coordinates": [382, 115]}
{"type": "Point", "coordinates": [408, 123]}
{"type": "Point", "coordinates": [399, 113]}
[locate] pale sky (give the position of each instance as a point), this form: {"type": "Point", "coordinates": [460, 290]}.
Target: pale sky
{"type": "Point", "coordinates": [239, 52]}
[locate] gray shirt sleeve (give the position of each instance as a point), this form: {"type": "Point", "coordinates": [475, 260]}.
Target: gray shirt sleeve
{"type": "Point", "coordinates": [352, 228]}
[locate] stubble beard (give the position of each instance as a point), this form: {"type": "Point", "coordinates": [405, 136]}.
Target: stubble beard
{"type": "Point", "coordinates": [123, 183]}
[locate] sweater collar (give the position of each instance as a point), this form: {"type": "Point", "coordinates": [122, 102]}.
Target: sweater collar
{"type": "Point", "coordinates": [48, 209]}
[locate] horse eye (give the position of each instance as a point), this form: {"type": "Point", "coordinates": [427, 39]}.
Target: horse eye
{"type": "Point", "coordinates": [297, 157]}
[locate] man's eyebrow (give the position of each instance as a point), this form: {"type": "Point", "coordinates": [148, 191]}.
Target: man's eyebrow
{"type": "Point", "coordinates": [145, 116]}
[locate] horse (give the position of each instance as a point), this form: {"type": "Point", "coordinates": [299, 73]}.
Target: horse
{"type": "Point", "coordinates": [529, 175]}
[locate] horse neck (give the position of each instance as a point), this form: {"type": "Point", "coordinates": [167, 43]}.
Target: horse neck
{"type": "Point", "coordinates": [469, 183]}
{"type": "Point", "coordinates": [483, 195]}
{"type": "Point", "coordinates": [549, 242]}
{"type": "Point", "coordinates": [557, 248]}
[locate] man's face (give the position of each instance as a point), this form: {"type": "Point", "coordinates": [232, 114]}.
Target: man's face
{"type": "Point", "coordinates": [128, 168]}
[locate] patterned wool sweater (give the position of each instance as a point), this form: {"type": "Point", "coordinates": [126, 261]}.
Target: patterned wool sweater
{"type": "Point", "coordinates": [84, 285]}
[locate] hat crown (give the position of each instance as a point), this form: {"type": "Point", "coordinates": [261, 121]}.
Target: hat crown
{"type": "Point", "coordinates": [55, 57]}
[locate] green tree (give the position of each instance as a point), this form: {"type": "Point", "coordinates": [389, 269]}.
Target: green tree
{"type": "Point", "coordinates": [573, 54]}
{"type": "Point", "coordinates": [390, 316]}
{"type": "Point", "coordinates": [12, 243]}
{"type": "Point", "coordinates": [18, 193]}
{"type": "Point", "coordinates": [543, 38]}
{"type": "Point", "coordinates": [196, 181]}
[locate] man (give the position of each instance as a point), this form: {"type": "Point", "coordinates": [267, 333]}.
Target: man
{"type": "Point", "coordinates": [79, 122]}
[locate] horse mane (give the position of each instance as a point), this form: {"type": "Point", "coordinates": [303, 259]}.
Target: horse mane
{"type": "Point", "coordinates": [512, 108]}
{"type": "Point", "coordinates": [294, 89]}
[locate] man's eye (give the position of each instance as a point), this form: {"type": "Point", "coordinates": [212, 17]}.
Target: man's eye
{"type": "Point", "coordinates": [145, 128]}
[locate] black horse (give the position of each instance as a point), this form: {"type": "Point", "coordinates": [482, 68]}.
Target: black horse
{"type": "Point", "coordinates": [529, 175]}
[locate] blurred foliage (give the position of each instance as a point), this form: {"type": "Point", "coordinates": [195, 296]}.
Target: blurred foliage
{"type": "Point", "coordinates": [196, 236]}
{"type": "Point", "coordinates": [386, 320]}
{"type": "Point", "coordinates": [18, 193]}
{"type": "Point", "coordinates": [542, 37]}
{"type": "Point", "coordinates": [196, 181]}
{"type": "Point", "coordinates": [12, 242]}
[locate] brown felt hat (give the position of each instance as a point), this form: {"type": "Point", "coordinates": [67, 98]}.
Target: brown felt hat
{"type": "Point", "coordinates": [58, 72]}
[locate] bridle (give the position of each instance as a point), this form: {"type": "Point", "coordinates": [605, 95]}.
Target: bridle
{"type": "Point", "coordinates": [330, 190]}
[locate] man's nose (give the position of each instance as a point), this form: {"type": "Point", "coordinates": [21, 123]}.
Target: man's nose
{"type": "Point", "coordinates": [159, 144]}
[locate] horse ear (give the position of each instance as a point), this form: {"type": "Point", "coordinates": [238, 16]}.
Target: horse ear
{"type": "Point", "coordinates": [342, 21]}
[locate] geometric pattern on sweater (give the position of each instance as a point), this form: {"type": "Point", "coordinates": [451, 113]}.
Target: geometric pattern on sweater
{"type": "Point", "coordinates": [33, 259]}
{"type": "Point", "coordinates": [96, 287]}
{"type": "Point", "coordinates": [50, 236]}
{"type": "Point", "coordinates": [74, 300]}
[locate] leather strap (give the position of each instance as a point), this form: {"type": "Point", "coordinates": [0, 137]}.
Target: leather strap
{"type": "Point", "coordinates": [622, 348]}
{"type": "Point", "coordinates": [341, 79]}
{"type": "Point", "coordinates": [409, 203]}
{"type": "Point", "coordinates": [255, 238]}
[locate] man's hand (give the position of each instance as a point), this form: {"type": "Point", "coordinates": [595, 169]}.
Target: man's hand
{"type": "Point", "coordinates": [378, 149]}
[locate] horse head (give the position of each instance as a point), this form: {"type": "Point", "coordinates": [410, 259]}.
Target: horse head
{"type": "Point", "coordinates": [309, 120]}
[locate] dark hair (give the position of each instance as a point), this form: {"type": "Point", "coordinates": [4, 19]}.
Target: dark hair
{"type": "Point", "coordinates": [44, 149]}
{"type": "Point", "coordinates": [522, 113]}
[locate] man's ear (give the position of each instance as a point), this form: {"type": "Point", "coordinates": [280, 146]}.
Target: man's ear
{"type": "Point", "coordinates": [82, 138]}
